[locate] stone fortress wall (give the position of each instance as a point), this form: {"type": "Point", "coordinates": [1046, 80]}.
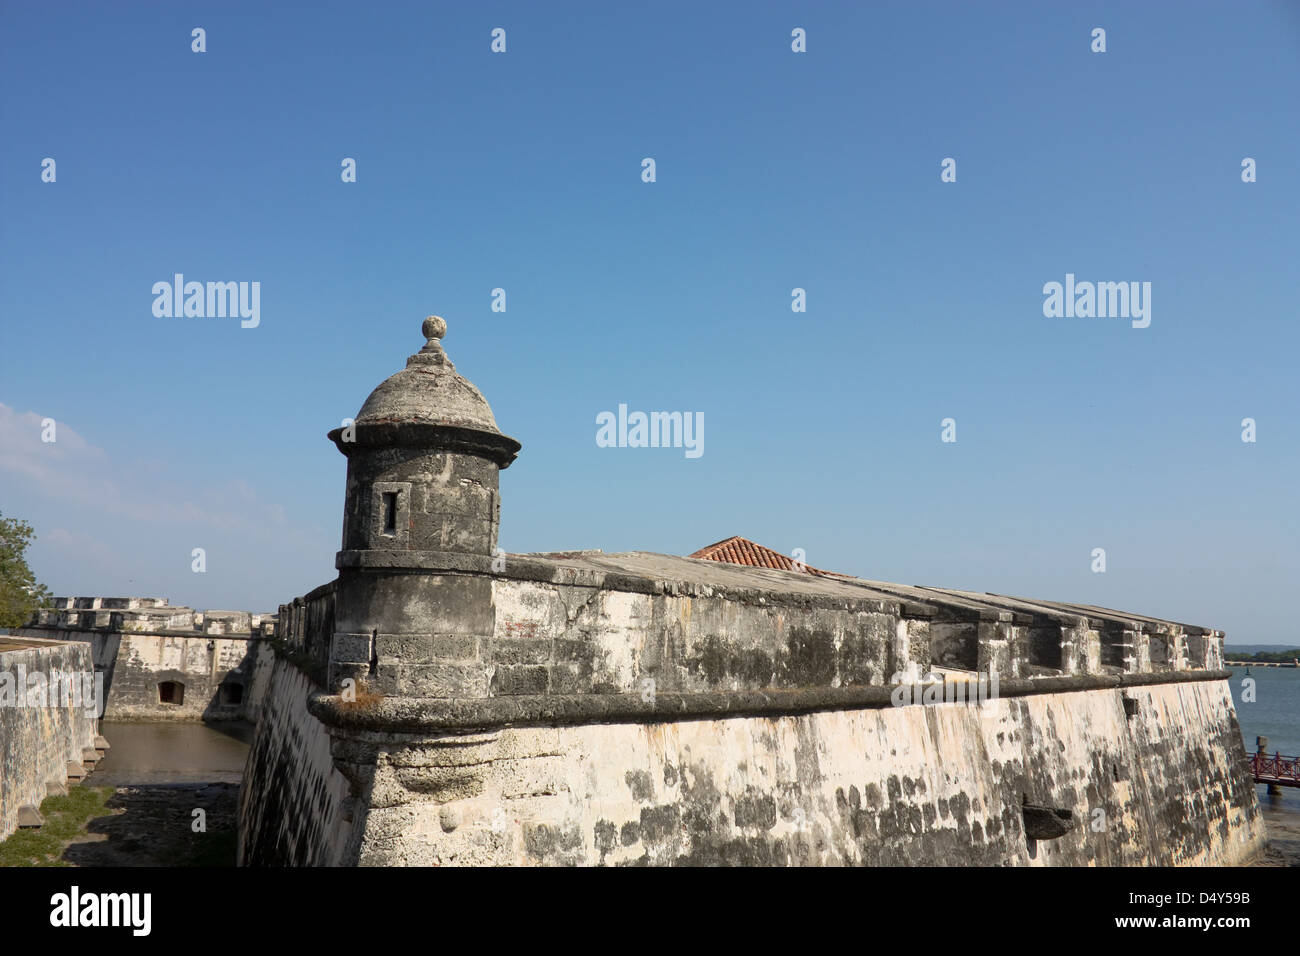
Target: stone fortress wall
{"type": "Point", "coordinates": [641, 708]}
{"type": "Point", "coordinates": [46, 739]}
{"type": "Point", "coordinates": [441, 702]}
{"type": "Point", "coordinates": [162, 662]}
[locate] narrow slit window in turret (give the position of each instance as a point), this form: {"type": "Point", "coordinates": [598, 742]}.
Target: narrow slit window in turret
{"type": "Point", "coordinates": [390, 512]}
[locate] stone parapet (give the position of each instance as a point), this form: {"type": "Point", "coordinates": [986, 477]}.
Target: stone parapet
{"type": "Point", "coordinates": [445, 624]}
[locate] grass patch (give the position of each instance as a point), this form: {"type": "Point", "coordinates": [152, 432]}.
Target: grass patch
{"type": "Point", "coordinates": [65, 819]}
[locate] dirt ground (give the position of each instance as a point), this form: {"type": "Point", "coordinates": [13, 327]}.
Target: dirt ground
{"type": "Point", "coordinates": [155, 826]}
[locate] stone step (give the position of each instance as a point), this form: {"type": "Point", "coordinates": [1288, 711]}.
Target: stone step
{"type": "Point", "coordinates": [76, 771]}
{"type": "Point", "coordinates": [29, 818]}
{"type": "Point", "coordinates": [101, 743]}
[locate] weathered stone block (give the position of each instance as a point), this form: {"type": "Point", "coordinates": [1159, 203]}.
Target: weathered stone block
{"type": "Point", "coordinates": [409, 648]}
{"type": "Point", "coordinates": [460, 647]}
{"type": "Point", "coordinates": [439, 680]}
{"type": "Point", "coordinates": [994, 651]}
{"type": "Point", "coordinates": [918, 644]}
{"type": "Point", "coordinates": [464, 497]}
{"type": "Point", "coordinates": [446, 752]}
{"type": "Point", "coordinates": [567, 679]}
{"type": "Point", "coordinates": [520, 679]}
{"type": "Point", "coordinates": [29, 817]}
{"type": "Point", "coordinates": [521, 650]}
{"type": "Point", "coordinates": [573, 652]}
{"type": "Point", "coordinates": [413, 603]}
{"type": "Point", "coordinates": [351, 647]}
{"type": "Point", "coordinates": [449, 532]}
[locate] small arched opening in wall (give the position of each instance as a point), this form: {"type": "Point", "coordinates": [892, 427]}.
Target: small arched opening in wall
{"type": "Point", "coordinates": [171, 692]}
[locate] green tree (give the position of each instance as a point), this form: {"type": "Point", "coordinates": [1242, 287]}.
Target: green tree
{"type": "Point", "coordinates": [20, 594]}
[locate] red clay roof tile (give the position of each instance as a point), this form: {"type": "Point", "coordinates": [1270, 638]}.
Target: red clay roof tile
{"type": "Point", "coordinates": [738, 550]}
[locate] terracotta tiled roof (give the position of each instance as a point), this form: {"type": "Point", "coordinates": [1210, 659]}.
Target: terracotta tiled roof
{"type": "Point", "coordinates": [737, 550]}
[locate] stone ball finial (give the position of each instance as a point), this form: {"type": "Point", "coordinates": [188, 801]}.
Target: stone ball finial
{"type": "Point", "coordinates": [434, 327]}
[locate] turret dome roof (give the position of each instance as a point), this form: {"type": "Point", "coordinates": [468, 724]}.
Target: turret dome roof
{"type": "Point", "coordinates": [429, 391]}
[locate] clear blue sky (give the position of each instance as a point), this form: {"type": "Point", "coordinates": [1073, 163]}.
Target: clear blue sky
{"type": "Point", "coordinates": [775, 170]}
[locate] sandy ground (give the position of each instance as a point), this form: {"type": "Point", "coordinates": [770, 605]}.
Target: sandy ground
{"type": "Point", "coordinates": [1283, 838]}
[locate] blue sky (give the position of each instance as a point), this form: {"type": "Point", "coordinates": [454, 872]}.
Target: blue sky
{"type": "Point", "coordinates": [775, 170]}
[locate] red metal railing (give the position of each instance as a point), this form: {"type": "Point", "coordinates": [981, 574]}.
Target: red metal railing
{"type": "Point", "coordinates": [1276, 769]}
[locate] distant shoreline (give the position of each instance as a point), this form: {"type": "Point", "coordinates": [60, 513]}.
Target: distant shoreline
{"type": "Point", "coordinates": [1260, 664]}
{"type": "Point", "coordinates": [1283, 656]}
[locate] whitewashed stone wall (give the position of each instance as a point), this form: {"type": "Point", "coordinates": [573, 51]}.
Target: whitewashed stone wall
{"type": "Point", "coordinates": [912, 785]}
{"type": "Point", "coordinates": [134, 664]}
{"type": "Point", "coordinates": [37, 743]}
